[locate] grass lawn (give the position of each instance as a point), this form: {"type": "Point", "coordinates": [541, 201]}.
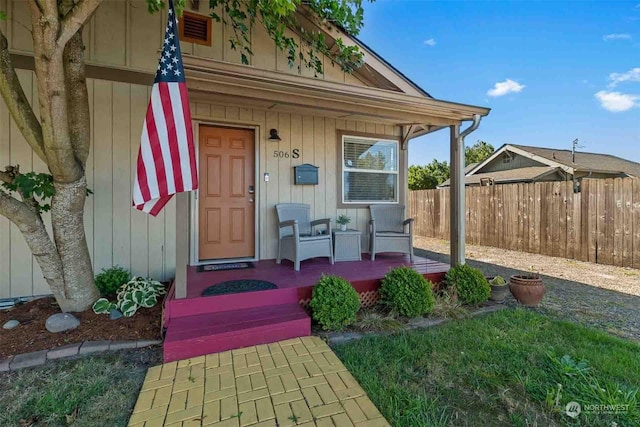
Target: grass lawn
{"type": "Point", "coordinates": [90, 391]}
{"type": "Point", "coordinates": [513, 367]}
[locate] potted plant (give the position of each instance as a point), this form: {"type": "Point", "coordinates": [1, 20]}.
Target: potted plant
{"type": "Point", "coordinates": [343, 220]}
{"type": "Point", "coordinates": [527, 289]}
{"type": "Point", "coordinates": [499, 289]}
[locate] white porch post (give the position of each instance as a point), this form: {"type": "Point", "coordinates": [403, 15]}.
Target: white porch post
{"type": "Point", "coordinates": [182, 244]}
{"type": "Point", "coordinates": [457, 208]}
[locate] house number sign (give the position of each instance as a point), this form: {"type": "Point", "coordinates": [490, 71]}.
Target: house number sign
{"type": "Point", "coordinates": [294, 154]}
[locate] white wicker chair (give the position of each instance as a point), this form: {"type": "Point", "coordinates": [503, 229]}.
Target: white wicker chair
{"type": "Point", "coordinates": [296, 239]}
{"type": "Point", "coordinates": [388, 230]}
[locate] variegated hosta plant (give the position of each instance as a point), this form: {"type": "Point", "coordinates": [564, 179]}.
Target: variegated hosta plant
{"type": "Point", "coordinates": [138, 292]}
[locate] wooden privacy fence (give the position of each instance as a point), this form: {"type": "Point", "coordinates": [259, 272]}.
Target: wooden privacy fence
{"type": "Point", "coordinates": [600, 224]}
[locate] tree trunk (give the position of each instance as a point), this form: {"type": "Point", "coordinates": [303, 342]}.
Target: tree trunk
{"type": "Point", "coordinates": [67, 219]}
{"type": "Point", "coordinates": [66, 267]}
{"type": "Point", "coordinates": [61, 139]}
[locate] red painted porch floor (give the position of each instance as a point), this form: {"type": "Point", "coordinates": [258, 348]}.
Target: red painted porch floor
{"type": "Point", "coordinates": [199, 325]}
{"type": "Point", "coordinates": [284, 276]}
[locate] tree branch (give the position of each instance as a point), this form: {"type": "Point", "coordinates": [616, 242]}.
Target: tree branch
{"type": "Point", "coordinates": [8, 177]}
{"type": "Point", "coordinates": [77, 97]}
{"type": "Point", "coordinates": [75, 19]}
{"type": "Point", "coordinates": [39, 242]}
{"type": "Point", "coordinates": [49, 8]}
{"type": "Point", "coordinates": [17, 102]}
{"type": "Point", "coordinates": [52, 94]}
{"type": "Point", "coordinates": [38, 5]}
{"type": "Point", "coordinates": [14, 210]}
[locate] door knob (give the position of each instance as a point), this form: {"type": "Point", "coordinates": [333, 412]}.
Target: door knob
{"type": "Point", "coordinates": [251, 189]}
{"type": "Point", "coordinates": [251, 200]}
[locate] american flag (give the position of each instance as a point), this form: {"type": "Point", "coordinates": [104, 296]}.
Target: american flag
{"type": "Point", "coordinates": [167, 158]}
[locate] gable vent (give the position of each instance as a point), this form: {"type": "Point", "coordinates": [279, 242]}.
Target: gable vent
{"type": "Point", "coordinates": [195, 28]}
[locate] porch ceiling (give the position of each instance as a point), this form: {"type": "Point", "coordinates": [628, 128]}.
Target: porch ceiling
{"type": "Point", "coordinates": [244, 85]}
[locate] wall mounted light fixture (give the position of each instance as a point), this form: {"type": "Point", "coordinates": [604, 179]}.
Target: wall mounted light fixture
{"type": "Point", "coordinates": [273, 136]}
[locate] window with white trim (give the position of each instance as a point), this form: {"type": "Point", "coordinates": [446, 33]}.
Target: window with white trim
{"type": "Point", "coordinates": [369, 170]}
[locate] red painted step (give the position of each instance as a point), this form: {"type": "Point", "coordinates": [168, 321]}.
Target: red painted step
{"type": "Point", "coordinates": [224, 303]}
{"type": "Point", "coordinates": [201, 334]}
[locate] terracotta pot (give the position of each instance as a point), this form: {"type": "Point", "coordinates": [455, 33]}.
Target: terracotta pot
{"type": "Point", "coordinates": [528, 290]}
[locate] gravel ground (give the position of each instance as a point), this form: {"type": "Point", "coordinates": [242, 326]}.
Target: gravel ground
{"type": "Point", "coordinates": [596, 295]}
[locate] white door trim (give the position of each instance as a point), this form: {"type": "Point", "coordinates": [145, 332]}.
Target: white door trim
{"type": "Point", "coordinates": [194, 259]}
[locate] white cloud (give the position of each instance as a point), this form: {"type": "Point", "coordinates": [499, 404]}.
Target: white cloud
{"type": "Point", "coordinates": [633, 75]}
{"type": "Point", "coordinates": [614, 36]}
{"type": "Point", "coordinates": [430, 42]}
{"type": "Point", "coordinates": [505, 87]}
{"type": "Point", "coordinates": [617, 102]}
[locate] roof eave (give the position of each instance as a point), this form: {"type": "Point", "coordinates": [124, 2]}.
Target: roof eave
{"type": "Point", "coordinates": [209, 75]}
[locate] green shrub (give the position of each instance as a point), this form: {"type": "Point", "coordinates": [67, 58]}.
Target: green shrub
{"type": "Point", "coordinates": [334, 303]}
{"type": "Point", "coordinates": [110, 280]}
{"type": "Point", "coordinates": [138, 292]}
{"type": "Point", "coordinates": [407, 292]}
{"type": "Point", "coordinates": [470, 284]}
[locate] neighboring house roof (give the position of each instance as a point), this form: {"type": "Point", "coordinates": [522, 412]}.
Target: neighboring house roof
{"type": "Point", "coordinates": [585, 162]}
{"type": "Point", "coordinates": [469, 167]}
{"type": "Point", "coordinates": [527, 174]}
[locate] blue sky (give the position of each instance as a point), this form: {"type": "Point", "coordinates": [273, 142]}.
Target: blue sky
{"type": "Point", "coordinates": [550, 71]}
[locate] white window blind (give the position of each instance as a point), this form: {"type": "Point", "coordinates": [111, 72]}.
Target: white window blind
{"type": "Point", "coordinates": [369, 170]}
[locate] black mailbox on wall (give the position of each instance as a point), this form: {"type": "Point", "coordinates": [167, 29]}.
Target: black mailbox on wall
{"type": "Point", "coordinates": [305, 174]}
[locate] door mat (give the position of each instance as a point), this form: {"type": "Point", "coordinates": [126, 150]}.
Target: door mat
{"type": "Point", "coordinates": [220, 267]}
{"type": "Point", "coordinates": [238, 286]}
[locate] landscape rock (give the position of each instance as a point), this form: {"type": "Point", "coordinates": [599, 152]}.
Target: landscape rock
{"type": "Point", "coordinates": [10, 324]}
{"type": "Point", "coordinates": [61, 322]}
{"type": "Point", "coordinates": [115, 314]}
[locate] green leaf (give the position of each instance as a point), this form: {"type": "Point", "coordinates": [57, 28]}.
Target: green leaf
{"type": "Point", "coordinates": [38, 186]}
{"type": "Point", "coordinates": [103, 306]}
{"type": "Point", "coordinates": [3, 16]}
{"type": "Point", "coordinates": [128, 308]}
{"type": "Point", "coordinates": [149, 301]}
{"type": "Point", "coordinates": [138, 296]}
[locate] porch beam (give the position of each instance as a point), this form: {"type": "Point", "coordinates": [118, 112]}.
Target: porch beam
{"type": "Point", "coordinates": [182, 244]}
{"type": "Point", "coordinates": [279, 96]}
{"type": "Point", "coordinates": [457, 206]}
{"type": "Point", "coordinates": [219, 77]}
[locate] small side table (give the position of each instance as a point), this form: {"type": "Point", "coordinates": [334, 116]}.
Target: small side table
{"type": "Point", "coordinates": [346, 245]}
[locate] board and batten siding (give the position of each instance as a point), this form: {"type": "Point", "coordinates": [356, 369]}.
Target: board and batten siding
{"type": "Point", "coordinates": [116, 233]}
{"type": "Point", "coordinates": [316, 138]}
{"type": "Point", "coordinates": [123, 34]}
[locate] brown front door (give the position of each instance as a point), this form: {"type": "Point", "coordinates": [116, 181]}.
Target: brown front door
{"type": "Point", "coordinates": [226, 199]}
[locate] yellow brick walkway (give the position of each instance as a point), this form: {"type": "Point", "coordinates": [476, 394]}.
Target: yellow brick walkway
{"type": "Point", "coordinates": [293, 382]}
